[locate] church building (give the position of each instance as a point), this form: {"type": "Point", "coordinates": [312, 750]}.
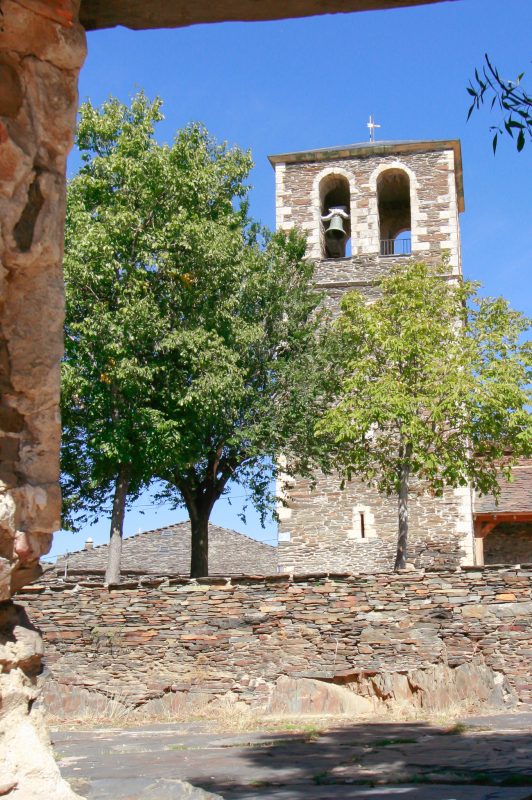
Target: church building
{"type": "Point", "coordinates": [364, 208]}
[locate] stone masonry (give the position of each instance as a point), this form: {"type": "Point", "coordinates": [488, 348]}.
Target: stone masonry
{"type": "Point", "coordinates": [503, 529]}
{"type": "Point", "coordinates": [356, 528]}
{"type": "Point", "coordinates": [321, 528]}
{"type": "Point", "coordinates": [171, 644]}
{"type": "Point", "coordinates": [42, 47]}
{"type": "Point", "coordinates": [509, 541]}
{"type": "Point", "coordinates": [139, 14]}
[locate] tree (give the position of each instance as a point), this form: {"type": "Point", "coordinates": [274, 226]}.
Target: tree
{"type": "Point", "coordinates": [192, 353]}
{"type": "Point", "coordinates": [242, 378]}
{"type": "Point", "coordinates": [511, 98]}
{"type": "Point", "coordinates": [434, 384]}
{"type": "Point", "coordinates": [123, 294]}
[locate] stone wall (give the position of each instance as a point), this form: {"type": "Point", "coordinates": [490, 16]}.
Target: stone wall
{"type": "Point", "coordinates": [42, 47]}
{"type": "Point", "coordinates": [355, 528]}
{"type": "Point", "coordinates": [177, 640]}
{"type": "Point", "coordinates": [177, 13]}
{"type": "Point", "coordinates": [41, 50]}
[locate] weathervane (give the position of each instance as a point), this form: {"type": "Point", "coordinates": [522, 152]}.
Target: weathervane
{"type": "Point", "coordinates": [372, 125]}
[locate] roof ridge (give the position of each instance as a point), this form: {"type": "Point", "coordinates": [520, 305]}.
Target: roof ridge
{"type": "Point", "coordinates": [163, 528]}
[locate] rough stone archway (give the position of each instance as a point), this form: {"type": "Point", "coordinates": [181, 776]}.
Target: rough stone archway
{"type": "Point", "coordinates": [42, 48]}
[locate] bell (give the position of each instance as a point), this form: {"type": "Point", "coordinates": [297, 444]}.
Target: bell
{"type": "Point", "coordinates": [336, 228]}
{"type": "Point", "coordinates": [336, 234]}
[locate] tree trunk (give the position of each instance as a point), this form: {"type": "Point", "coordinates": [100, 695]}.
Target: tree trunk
{"type": "Point", "coordinates": [402, 541]}
{"type": "Point", "coordinates": [199, 550]}
{"type": "Point", "coordinates": [112, 573]}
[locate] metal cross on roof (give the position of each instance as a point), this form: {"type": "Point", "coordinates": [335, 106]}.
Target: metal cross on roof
{"type": "Point", "coordinates": [372, 125]}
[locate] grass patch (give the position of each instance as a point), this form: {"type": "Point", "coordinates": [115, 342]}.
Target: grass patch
{"type": "Point", "coordinates": [480, 778]}
{"type": "Point", "coordinates": [456, 729]}
{"type": "Point", "coordinates": [312, 729]}
{"type": "Point", "coordinates": [392, 742]}
{"type": "Point", "coordinates": [461, 727]}
{"type": "Point", "coordinates": [267, 743]}
{"type": "Point", "coordinates": [518, 779]}
{"type": "Point", "coordinates": [264, 745]}
{"type": "Point", "coordinates": [467, 778]}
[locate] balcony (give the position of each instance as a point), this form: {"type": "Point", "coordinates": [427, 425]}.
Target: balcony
{"type": "Point", "coordinates": [396, 247]}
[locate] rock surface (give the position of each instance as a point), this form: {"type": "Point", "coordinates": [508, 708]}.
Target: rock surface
{"type": "Point", "coordinates": [436, 689]}
{"type": "Point", "coordinates": [296, 696]}
{"type": "Point", "coordinates": [42, 48]}
{"type": "Point", "coordinates": [40, 55]}
{"type": "Point", "coordinates": [177, 790]}
{"type": "Point", "coordinates": [177, 13]}
{"type": "Point", "coordinates": [29, 770]}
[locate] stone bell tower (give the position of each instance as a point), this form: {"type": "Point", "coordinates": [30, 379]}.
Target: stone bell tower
{"type": "Point", "coordinates": [365, 207]}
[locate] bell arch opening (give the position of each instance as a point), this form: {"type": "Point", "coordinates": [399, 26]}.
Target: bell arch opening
{"type": "Point", "coordinates": [395, 217]}
{"type": "Point", "coordinates": [335, 214]}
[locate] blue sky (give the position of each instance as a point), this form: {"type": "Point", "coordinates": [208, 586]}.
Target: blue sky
{"type": "Point", "coordinates": [291, 85]}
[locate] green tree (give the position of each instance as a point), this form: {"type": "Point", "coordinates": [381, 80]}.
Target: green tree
{"type": "Point", "coordinates": [510, 96]}
{"type": "Point", "coordinates": [242, 378]}
{"type": "Point", "coordinates": [434, 384]}
{"type": "Point", "coordinates": [123, 294]}
{"type": "Point", "coordinates": [187, 327]}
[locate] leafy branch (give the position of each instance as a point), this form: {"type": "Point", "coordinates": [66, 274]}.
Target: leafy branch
{"type": "Point", "coordinates": [510, 96]}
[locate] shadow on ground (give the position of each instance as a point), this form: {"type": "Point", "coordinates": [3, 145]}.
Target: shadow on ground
{"type": "Point", "coordinates": [482, 759]}
{"type": "Point", "coordinates": [374, 755]}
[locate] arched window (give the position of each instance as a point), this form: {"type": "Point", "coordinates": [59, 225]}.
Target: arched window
{"type": "Point", "coordinates": [335, 204]}
{"type": "Point", "coordinates": [395, 221]}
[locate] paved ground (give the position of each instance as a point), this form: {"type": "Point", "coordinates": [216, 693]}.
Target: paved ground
{"type": "Point", "coordinates": [485, 758]}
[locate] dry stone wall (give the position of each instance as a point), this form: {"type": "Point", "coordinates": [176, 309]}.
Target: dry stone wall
{"type": "Point", "coordinates": [166, 643]}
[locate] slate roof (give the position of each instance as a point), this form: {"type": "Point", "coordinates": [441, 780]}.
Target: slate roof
{"type": "Point", "coordinates": [516, 496]}
{"type": "Point", "coordinates": [166, 551]}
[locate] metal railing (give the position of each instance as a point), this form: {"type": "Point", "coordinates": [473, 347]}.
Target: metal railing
{"type": "Point", "coordinates": [396, 247]}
